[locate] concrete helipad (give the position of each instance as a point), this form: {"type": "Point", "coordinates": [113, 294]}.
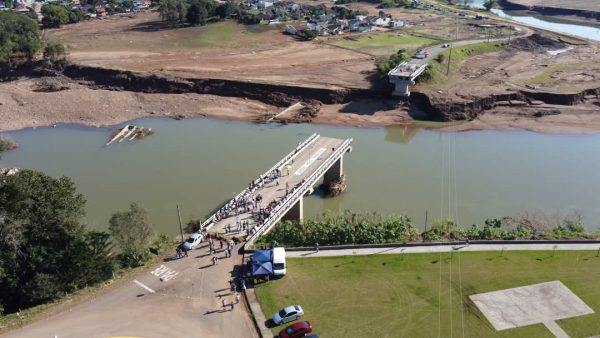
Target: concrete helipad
{"type": "Point", "coordinates": [533, 304]}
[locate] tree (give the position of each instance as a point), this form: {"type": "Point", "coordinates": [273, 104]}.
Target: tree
{"type": "Point", "coordinates": [43, 244]}
{"type": "Point", "coordinates": [19, 39]}
{"type": "Point", "coordinates": [54, 15]}
{"type": "Point", "coordinates": [197, 12]}
{"type": "Point", "coordinates": [132, 233]}
{"type": "Point", "coordinates": [76, 15]}
{"type": "Point", "coordinates": [226, 9]}
{"type": "Point", "coordinates": [307, 35]}
{"type": "Point", "coordinates": [173, 12]}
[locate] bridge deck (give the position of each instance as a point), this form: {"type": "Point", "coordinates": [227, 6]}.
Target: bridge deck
{"type": "Point", "coordinates": [301, 166]}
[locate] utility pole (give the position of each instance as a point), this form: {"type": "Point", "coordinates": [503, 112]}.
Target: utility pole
{"type": "Point", "coordinates": [449, 59]}
{"type": "Point", "coordinates": [180, 226]}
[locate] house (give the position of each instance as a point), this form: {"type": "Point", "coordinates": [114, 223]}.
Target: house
{"type": "Point", "coordinates": [358, 26]}
{"type": "Point", "coordinates": [334, 29]}
{"type": "Point", "coordinates": [381, 21]}
{"type": "Point", "coordinates": [264, 4]}
{"type": "Point", "coordinates": [396, 23]}
{"type": "Point", "coordinates": [294, 30]}
{"type": "Point", "coordinates": [312, 26]}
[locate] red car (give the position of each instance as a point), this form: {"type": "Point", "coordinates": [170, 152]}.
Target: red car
{"type": "Point", "coordinates": [299, 329]}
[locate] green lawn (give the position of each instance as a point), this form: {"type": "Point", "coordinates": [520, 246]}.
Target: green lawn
{"type": "Point", "coordinates": [400, 295]}
{"type": "Point", "coordinates": [227, 34]}
{"type": "Point", "coordinates": [384, 43]}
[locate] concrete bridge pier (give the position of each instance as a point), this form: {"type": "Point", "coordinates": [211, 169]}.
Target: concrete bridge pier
{"type": "Point", "coordinates": [402, 87]}
{"type": "Point", "coordinates": [296, 212]}
{"type": "Point", "coordinates": [335, 172]}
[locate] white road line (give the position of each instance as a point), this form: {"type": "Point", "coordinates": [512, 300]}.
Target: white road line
{"type": "Point", "coordinates": [310, 161]}
{"type": "Point", "coordinates": [143, 286]}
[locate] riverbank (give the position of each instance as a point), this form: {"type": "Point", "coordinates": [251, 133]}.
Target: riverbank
{"type": "Point", "coordinates": [584, 11]}
{"type": "Point", "coordinates": [24, 106]}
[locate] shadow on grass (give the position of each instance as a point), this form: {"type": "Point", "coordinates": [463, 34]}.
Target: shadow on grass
{"type": "Point", "coordinates": [152, 26]}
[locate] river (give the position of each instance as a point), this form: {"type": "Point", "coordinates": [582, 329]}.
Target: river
{"type": "Point", "coordinates": [589, 31]}
{"type": "Point", "coordinates": [199, 163]}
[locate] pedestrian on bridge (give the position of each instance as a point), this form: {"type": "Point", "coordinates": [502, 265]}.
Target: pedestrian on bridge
{"type": "Point", "coordinates": [221, 242]}
{"type": "Point", "coordinates": [215, 260]}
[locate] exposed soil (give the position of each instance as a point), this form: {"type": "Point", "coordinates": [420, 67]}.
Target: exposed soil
{"type": "Point", "coordinates": [255, 75]}
{"type": "Point", "coordinates": [22, 106]}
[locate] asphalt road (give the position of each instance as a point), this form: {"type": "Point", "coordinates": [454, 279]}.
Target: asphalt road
{"type": "Point", "coordinates": [186, 303]}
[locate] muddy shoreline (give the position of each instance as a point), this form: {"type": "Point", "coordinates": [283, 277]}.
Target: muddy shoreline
{"type": "Point", "coordinates": [238, 100]}
{"type": "Point", "coordinates": [589, 16]}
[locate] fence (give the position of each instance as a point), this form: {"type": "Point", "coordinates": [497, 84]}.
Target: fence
{"type": "Point", "coordinates": [298, 192]}
{"type": "Point", "coordinates": [312, 138]}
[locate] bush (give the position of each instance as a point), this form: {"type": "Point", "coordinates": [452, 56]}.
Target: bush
{"type": "Point", "coordinates": [7, 144]}
{"type": "Point", "coordinates": [348, 228]}
{"type": "Point", "coordinates": [54, 52]}
{"type": "Point", "coordinates": [351, 228]}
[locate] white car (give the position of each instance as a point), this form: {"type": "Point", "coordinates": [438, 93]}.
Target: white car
{"type": "Point", "coordinates": [192, 242]}
{"type": "Point", "coordinates": [287, 314]}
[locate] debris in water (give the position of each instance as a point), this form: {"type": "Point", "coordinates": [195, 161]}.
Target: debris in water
{"type": "Point", "coordinates": [129, 133]}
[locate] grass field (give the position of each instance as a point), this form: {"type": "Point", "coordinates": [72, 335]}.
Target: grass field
{"type": "Point", "coordinates": [384, 43]}
{"type": "Point", "coordinates": [426, 295]}
{"type": "Point", "coordinates": [228, 34]}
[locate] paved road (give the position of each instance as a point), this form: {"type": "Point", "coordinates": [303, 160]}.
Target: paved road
{"type": "Point", "coordinates": [187, 303]}
{"type": "Point", "coordinates": [443, 248]}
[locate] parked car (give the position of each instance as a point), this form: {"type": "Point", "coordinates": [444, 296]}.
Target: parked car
{"type": "Point", "coordinates": [192, 242]}
{"type": "Point", "coordinates": [287, 314]}
{"type": "Point", "coordinates": [296, 330]}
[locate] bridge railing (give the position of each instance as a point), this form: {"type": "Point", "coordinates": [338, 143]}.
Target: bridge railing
{"type": "Point", "coordinates": [312, 138]}
{"type": "Point", "coordinates": [299, 192]}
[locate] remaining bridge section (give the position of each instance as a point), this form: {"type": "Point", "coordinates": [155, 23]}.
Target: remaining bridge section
{"type": "Point", "coordinates": [404, 75]}
{"type": "Point", "coordinates": [278, 193]}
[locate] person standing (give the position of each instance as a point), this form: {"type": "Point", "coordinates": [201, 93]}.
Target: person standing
{"type": "Point", "coordinates": [237, 298]}
{"type": "Point", "coordinates": [317, 247]}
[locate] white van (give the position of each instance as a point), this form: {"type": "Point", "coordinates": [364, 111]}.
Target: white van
{"type": "Point", "coordinates": [279, 267]}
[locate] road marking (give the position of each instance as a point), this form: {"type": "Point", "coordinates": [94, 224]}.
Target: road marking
{"type": "Point", "coordinates": [165, 273]}
{"type": "Point", "coordinates": [143, 286]}
{"type": "Point", "coordinates": [310, 161]}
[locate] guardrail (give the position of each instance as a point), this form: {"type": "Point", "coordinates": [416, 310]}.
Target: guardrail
{"type": "Point", "coordinates": [312, 138]}
{"type": "Point", "coordinates": [297, 193]}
